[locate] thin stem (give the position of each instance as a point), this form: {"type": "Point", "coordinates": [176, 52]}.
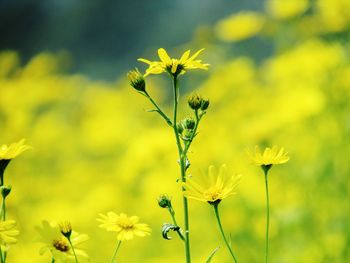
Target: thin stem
{"type": "Point", "coordinates": [267, 215]}
{"type": "Point", "coordinates": [115, 251]}
{"type": "Point", "coordinates": [53, 260]}
{"type": "Point", "coordinates": [172, 213]}
{"type": "Point", "coordinates": [158, 109]}
{"type": "Point", "coordinates": [182, 157]}
{"type": "Point", "coordinates": [216, 210]}
{"type": "Point", "coordinates": [3, 209]}
{"type": "Point", "coordinates": [1, 256]}
{"type": "Point", "coordinates": [75, 255]}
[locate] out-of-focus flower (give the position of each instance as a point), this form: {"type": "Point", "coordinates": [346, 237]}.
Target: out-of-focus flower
{"type": "Point", "coordinates": [8, 234]}
{"type": "Point", "coordinates": [126, 227]}
{"type": "Point", "coordinates": [239, 26]}
{"type": "Point", "coordinates": [174, 66]}
{"type": "Point", "coordinates": [270, 156]}
{"type": "Point", "coordinates": [13, 150]}
{"type": "Point", "coordinates": [286, 9]}
{"type": "Point", "coordinates": [213, 187]}
{"type": "Point", "coordinates": [334, 14]}
{"type": "Point", "coordinates": [137, 80]}
{"type": "Point", "coordinates": [58, 244]}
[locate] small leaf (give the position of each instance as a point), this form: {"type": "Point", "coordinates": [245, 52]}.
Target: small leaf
{"type": "Point", "coordinates": [166, 228]}
{"type": "Point", "coordinates": [212, 255]}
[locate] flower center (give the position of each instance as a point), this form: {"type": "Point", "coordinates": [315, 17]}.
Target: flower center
{"type": "Point", "coordinates": [213, 194]}
{"type": "Point", "coordinates": [61, 245]}
{"type": "Point", "coordinates": [125, 224]}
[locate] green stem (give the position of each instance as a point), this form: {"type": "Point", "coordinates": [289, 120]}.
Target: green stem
{"type": "Point", "coordinates": [267, 215]}
{"type": "Point", "coordinates": [182, 157]}
{"type": "Point", "coordinates": [158, 109]}
{"type": "Point", "coordinates": [3, 209]}
{"type": "Point", "coordinates": [172, 213]}
{"type": "Point", "coordinates": [115, 251]}
{"type": "Point", "coordinates": [216, 210]}
{"type": "Point", "coordinates": [53, 260]}
{"type": "Point", "coordinates": [75, 255]}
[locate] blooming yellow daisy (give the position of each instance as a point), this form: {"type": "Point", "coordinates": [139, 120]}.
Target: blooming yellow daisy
{"type": "Point", "coordinates": [126, 227]}
{"type": "Point", "coordinates": [270, 156]}
{"type": "Point", "coordinates": [212, 188]}
{"type": "Point", "coordinates": [55, 242]}
{"type": "Point", "coordinates": [8, 234]}
{"type": "Point", "coordinates": [13, 150]}
{"type": "Point", "coordinates": [172, 65]}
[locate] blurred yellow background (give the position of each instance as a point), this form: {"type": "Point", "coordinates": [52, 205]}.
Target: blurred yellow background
{"type": "Point", "coordinates": [96, 149]}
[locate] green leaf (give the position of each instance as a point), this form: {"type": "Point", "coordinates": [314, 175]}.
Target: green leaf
{"type": "Point", "coordinates": [212, 255]}
{"type": "Point", "coordinates": [166, 228]}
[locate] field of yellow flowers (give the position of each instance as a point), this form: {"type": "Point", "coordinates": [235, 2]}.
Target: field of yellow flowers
{"type": "Point", "coordinates": [95, 147]}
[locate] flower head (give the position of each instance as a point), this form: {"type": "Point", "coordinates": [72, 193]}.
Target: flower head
{"type": "Point", "coordinates": [126, 227]}
{"type": "Point", "coordinates": [213, 187]}
{"type": "Point", "coordinates": [55, 242]}
{"type": "Point", "coordinates": [238, 27]}
{"type": "Point", "coordinates": [174, 66]}
{"type": "Point", "coordinates": [8, 233]}
{"type": "Point", "coordinates": [13, 150]}
{"type": "Point", "coordinates": [66, 229]}
{"type": "Point", "coordinates": [137, 80]}
{"type": "Point", "coordinates": [270, 156]}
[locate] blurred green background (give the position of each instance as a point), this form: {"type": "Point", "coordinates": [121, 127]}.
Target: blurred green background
{"type": "Point", "coordinates": [279, 74]}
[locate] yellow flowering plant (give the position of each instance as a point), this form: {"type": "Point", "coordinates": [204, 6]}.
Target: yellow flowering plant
{"type": "Point", "coordinates": [213, 188]}
{"type": "Point", "coordinates": [125, 227]}
{"type": "Point", "coordinates": [184, 130]}
{"type": "Point", "coordinates": [266, 159]}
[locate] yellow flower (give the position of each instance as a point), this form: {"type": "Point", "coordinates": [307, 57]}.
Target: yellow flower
{"type": "Point", "coordinates": [13, 150]}
{"type": "Point", "coordinates": [172, 65]}
{"type": "Point", "coordinates": [8, 233]}
{"type": "Point", "coordinates": [270, 156]}
{"type": "Point", "coordinates": [58, 244]}
{"type": "Point", "coordinates": [126, 227]}
{"type": "Point", "coordinates": [212, 188]}
{"type": "Point", "coordinates": [136, 80]}
{"type": "Point", "coordinates": [239, 26]}
{"type": "Point", "coordinates": [286, 9]}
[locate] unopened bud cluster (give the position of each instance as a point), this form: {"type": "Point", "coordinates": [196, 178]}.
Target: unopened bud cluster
{"type": "Point", "coordinates": [186, 128]}
{"type": "Point", "coordinates": [196, 102]}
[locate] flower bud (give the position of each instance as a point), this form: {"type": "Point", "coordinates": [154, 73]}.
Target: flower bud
{"type": "Point", "coordinates": [195, 101]}
{"type": "Point", "coordinates": [204, 104]}
{"type": "Point", "coordinates": [164, 201]}
{"type": "Point", "coordinates": [179, 127]}
{"type": "Point", "coordinates": [5, 190]}
{"type": "Point", "coordinates": [137, 80]}
{"type": "Point", "coordinates": [188, 123]}
{"type": "Point", "coordinates": [66, 229]}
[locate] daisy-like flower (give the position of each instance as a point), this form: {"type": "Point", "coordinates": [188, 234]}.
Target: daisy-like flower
{"type": "Point", "coordinates": [55, 242]}
{"type": "Point", "coordinates": [126, 227]}
{"type": "Point", "coordinates": [270, 156]}
{"type": "Point", "coordinates": [213, 187]}
{"type": "Point", "coordinates": [172, 65]}
{"type": "Point", "coordinates": [7, 153]}
{"type": "Point", "coordinates": [8, 234]}
{"type": "Point", "coordinates": [13, 150]}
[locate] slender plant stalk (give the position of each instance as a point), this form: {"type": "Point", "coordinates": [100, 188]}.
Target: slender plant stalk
{"type": "Point", "coordinates": [183, 158]}
{"type": "Point", "coordinates": [115, 251]}
{"type": "Point", "coordinates": [172, 213]}
{"type": "Point", "coordinates": [53, 260]}
{"type": "Point", "coordinates": [267, 215]}
{"type": "Point", "coordinates": [216, 210]}
{"type": "Point", "coordinates": [75, 255]}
